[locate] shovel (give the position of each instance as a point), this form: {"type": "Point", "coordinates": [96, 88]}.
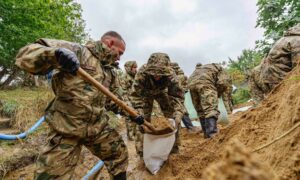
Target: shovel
{"type": "Point", "coordinates": [147, 126]}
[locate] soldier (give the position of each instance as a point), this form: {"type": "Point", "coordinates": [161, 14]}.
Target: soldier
{"type": "Point", "coordinates": [183, 83]}
{"type": "Point", "coordinates": [127, 81]}
{"type": "Point", "coordinates": [157, 81]}
{"type": "Point", "coordinates": [227, 95]}
{"type": "Point", "coordinates": [282, 58]}
{"type": "Point", "coordinates": [77, 115]}
{"type": "Point", "coordinates": [256, 87]}
{"type": "Point", "coordinates": [205, 83]}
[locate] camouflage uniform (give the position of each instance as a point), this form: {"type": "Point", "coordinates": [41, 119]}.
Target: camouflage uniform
{"type": "Point", "coordinates": [256, 87]}
{"type": "Point", "coordinates": [282, 58]}
{"type": "Point", "coordinates": [127, 81]}
{"type": "Point", "coordinates": [165, 91]}
{"type": "Point", "coordinates": [227, 97]}
{"type": "Point", "coordinates": [183, 84]}
{"type": "Point", "coordinates": [77, 115]}
{"type": "Point", "coordinates": [205, 83]}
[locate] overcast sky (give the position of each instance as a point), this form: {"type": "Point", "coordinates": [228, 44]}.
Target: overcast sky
{"type": "Point", "coordinates": [190, 31]}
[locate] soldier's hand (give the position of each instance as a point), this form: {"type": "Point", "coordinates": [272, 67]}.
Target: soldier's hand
{"type": "Point", "coordinates": [144, 129]}
{"type": "Point", "coordinates": [68, 60]}
{"type": "Point", "coordinates": [139, 120]}
{"type": "Point", "coordinates": [177, 122]}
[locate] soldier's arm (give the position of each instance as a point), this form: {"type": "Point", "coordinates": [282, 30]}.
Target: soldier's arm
{"type": "Point", "coordinates": [136, 96]}
{"type": "Point", "coordinates": [36, 59]}
{"type": "Point", "coordinates": [174, 88]}
{"type": "Point", "coordinates": [46, 54]}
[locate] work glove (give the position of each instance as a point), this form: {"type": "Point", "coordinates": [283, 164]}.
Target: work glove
{"type": "Point", "coordinates": [139, 120]}
{"type": "Point", "coordinates": [68, 60]}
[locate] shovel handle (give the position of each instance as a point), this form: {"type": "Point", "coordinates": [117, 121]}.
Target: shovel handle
{"type": "Point", "coordinates": [106, 92]}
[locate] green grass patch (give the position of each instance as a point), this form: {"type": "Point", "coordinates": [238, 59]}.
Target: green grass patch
{"type": "Point", "coordinates": [242, 95]}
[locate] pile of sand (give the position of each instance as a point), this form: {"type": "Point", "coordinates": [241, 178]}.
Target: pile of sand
{"type": "Point", "coordinates": [239, 163]}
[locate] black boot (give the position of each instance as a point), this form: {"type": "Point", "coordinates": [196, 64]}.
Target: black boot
{"type": "Point", "coordinates": [120, 176]}
{"type": "Point", "coordinates": [187, 122]}
{"type": "Point", "coordinates": [210, 127]}
{"type": "Point", "coordinates": [202, 122]}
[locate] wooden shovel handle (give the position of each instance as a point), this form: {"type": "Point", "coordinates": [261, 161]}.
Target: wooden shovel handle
{"type": "Point", "coordinates": [106, 92]}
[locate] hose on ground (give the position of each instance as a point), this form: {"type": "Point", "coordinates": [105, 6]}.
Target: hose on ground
{"type": "Point", "coordinates": [24, 134]}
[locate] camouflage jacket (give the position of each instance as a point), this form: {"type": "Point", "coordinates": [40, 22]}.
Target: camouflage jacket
{"type": "Point", "coordinates": [210, 75]}
{"type": "Point", "coordinates": [128, 77]}
{"type": "Point", "coordinates": [282, 58]}
{"type": "Point", "coordinates": [144, 85]}
{"type": "Point", "coordinates": [78, 108]}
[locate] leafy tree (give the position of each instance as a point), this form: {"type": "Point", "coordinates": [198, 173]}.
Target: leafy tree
{"type": "Point", "coordinates": [22, 22]}
{"type": "Point", "coordinates": [238, 68]}
{"type": "Point", "coordinates": [276, 16]}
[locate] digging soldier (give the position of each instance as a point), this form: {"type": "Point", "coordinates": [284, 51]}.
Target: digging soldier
{"type": "Point", "coordinates": [127, 81]}
{"type": "Point", "coordinates": [183, 83]}
{"type": "Point", "coordinates": [77, 115]}
{"type": "Point", "coordinates": [281, 59]}
{"type": "Point", "coordinates": [205, 84]}
{"type": "Point", "coordinates": [157, 81]}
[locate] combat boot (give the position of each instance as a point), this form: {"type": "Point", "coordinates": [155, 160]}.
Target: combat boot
{"type": "Point", "coordinates": [120, 176]}
{"type": "Point", "coordinates": [210, 127]}
{"type": "Point", "coordinates": [202, 122]}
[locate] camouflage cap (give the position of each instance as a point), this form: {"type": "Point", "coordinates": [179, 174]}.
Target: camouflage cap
{"type": "Point", "coordinates": [128, 66]}
{"type": "Point", "coordinates": [175, 65]}
{"type": "Point", "coordinates": [295, 30]}
{"type": "Point", "coordinates": [159, 64]}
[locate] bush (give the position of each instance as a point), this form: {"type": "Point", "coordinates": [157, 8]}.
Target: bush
{"type": "Point", "coordinates": [242, 95]}
{"type": "Point", "coordinates": [9, 108]}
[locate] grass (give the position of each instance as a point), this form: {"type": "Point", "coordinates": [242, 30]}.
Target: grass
{"type": "Point", "coordinates": [24, 106]}
{"type": "Point", "coordinates": [242, 95]}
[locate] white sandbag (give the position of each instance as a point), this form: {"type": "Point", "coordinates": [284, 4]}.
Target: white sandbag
{"type": "Point", "coordinates": [157, 148]}
{"type": "Point", "coordinates": [223, 117]}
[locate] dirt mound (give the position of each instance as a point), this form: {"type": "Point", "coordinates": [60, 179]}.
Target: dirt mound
{"type": "Point", "coordinates": [238, 163]}
{"type": "Point", "coordinates": [277, 114]}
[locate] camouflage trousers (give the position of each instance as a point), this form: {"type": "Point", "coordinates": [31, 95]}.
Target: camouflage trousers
{"type": "Point", "coordinates": [205, 100]}
{"type": "Point", "coordinates": [61, 154]}
{"type": "Point", "coordinates": [227, 103]}
{"type": "Point", "coordinates": [131, 129]}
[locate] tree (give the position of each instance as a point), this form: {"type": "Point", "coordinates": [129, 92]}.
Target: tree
{"type": "Point", "coordinates": [276, 16]}
{"type": "Point", "coordinates": [22, 22]}
{"type": "Point", "coordinates": [239, 68]}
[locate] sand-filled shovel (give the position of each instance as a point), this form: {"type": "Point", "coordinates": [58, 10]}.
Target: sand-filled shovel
{"type": "Point", "coordinates": [148, 127]}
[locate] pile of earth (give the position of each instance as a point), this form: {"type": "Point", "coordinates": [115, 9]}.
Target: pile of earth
{"type": "Point", "coordinates": [276, 119]}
